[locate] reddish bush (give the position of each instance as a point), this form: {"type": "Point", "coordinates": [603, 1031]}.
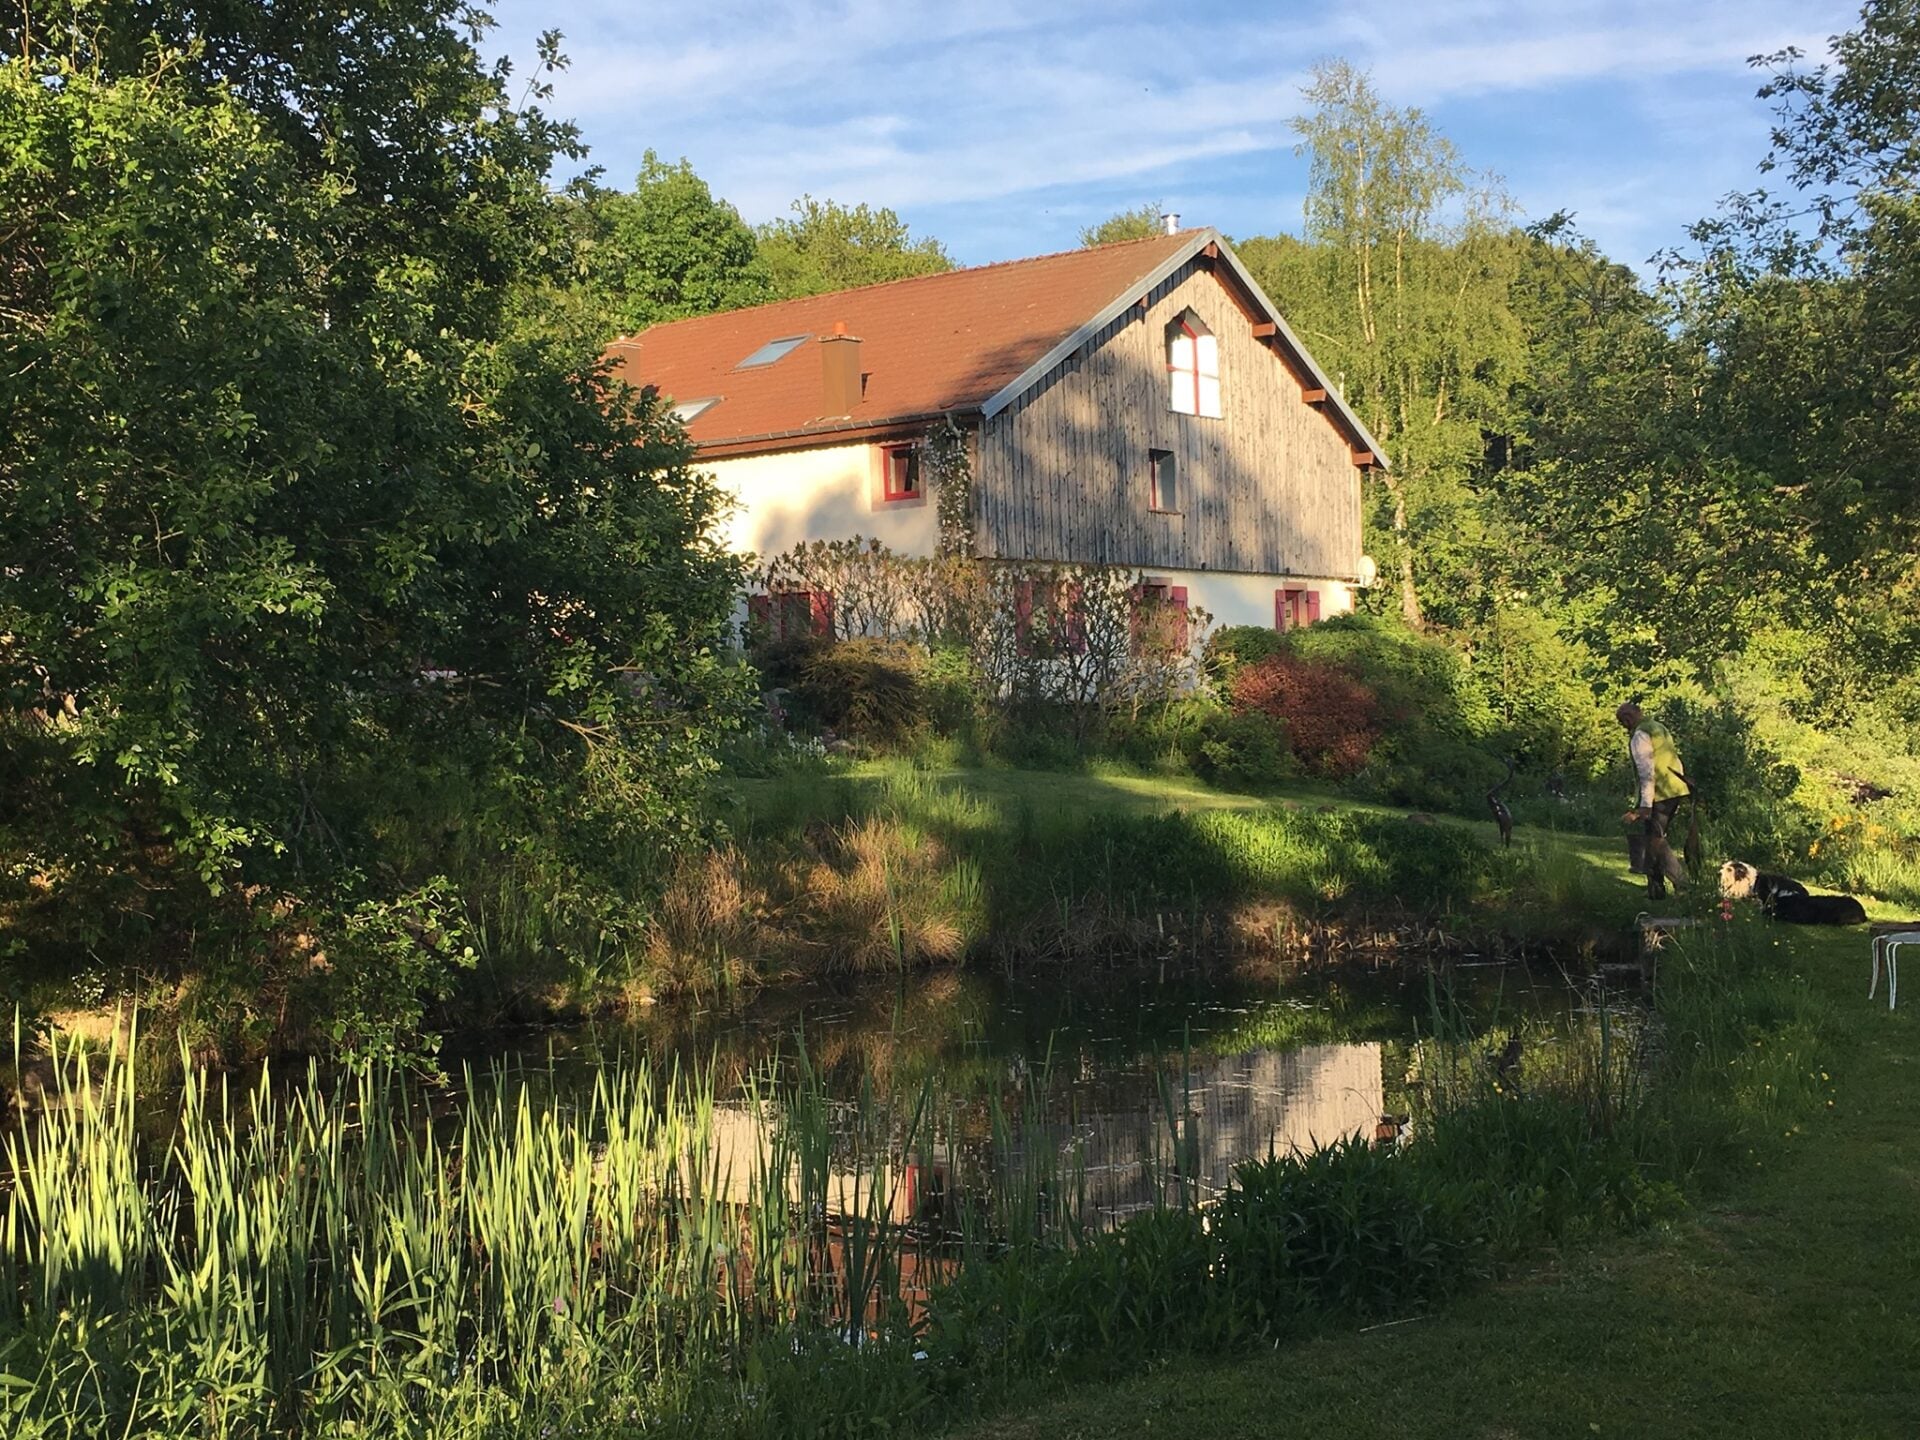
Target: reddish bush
{"type": "Point", "coordinates": [1332, 720]}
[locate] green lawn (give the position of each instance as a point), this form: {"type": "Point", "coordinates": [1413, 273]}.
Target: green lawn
{"type": "Point", "coordinates": [1789, 1308]}
{"type": "Point", "coordinates": [1111, 788]}
{"type": "Point", "coordinates": [1114, 788]}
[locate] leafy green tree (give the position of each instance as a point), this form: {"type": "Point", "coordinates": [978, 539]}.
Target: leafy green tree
{"type": "Point", "coordinates": [664, 250]}
{"type": "Point", "coordinates": [1140, 223]}
{"type": "Point", "coordinates": [1402, 290]}
{"type": "Point", "coordinates": [825, 246]}
{"type": "Point", "coordinates": [291, 517]}
{"type": "Point", "coordinates": [1727, 462]}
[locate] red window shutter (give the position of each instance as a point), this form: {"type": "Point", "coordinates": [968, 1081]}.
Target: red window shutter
{"type": "Point", "coordinates": [760, 610]}
{"type": "Point", "coordinates": [820, 604]}
{"type": "Point", "coordinates": [1313, 606]}
{"type": "Point", "coordinates": [1073, 619]}
{"type": "Point", "coordinates": [1177, 629]}
{"type": "Point", "coordinates": [1280, 610]}
{"type": "Point", "coordinates": [1023, 617]}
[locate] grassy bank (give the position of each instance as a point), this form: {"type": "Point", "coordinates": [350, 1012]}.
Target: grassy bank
{"type": "Point", "coordinates": [889, 867]}
{"type": "Point", "coordinates": [882, 867]}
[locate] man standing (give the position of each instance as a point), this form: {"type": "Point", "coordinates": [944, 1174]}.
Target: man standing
{"type": "Point", "coordinates": [1662, 785]}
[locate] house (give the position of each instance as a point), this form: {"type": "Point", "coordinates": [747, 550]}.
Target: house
{"type": "Point", "coordinates": [1142, 405]}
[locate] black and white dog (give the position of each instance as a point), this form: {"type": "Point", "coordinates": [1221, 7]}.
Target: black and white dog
{"type": "Point", "coordinates": [1787, 899]}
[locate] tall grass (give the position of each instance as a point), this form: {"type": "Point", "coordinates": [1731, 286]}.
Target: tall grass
{"type": "Point", "coordinates": [363, 1256]}
{"type": "Point", "coordinates": [1890, 872]}
{"type": "Point", "coordinates": [329, 1259]}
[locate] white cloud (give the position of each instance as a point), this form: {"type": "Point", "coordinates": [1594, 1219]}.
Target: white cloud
{"type": "Point", "coordinates": [988, 122]}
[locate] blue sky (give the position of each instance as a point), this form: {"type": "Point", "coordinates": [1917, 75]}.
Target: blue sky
{"type": "Point", "coordinates": [1003, 127]}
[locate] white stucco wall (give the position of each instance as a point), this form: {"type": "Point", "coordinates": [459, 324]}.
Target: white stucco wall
{"type": "Point", "coordinates": [832, 493]}
{"type": "Point", "coordinates": [1238, 599]}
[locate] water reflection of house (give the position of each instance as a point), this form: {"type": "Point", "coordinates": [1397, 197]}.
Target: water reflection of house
{"type": "Point", "coordinates": [1229, 1110]}
{"type": "Point", "coordinates": [1110, 1151]}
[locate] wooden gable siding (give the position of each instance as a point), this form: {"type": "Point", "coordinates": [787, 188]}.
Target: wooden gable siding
{"type": "Point", "coordinates": [1270, 487]}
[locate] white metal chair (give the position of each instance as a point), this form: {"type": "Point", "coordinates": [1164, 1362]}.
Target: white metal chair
{"type": "Point", "coordinates": [1887, 948]}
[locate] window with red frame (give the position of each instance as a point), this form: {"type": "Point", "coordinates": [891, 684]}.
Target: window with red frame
{"type": "Point", "coordinates": [1163, 481]}
{"type": "Point", "coordinates": [1048, 618]}
{"type": "Point", "coordinates": [902, 480]}
{"type": "Point", "coordinates": [1193, 367]}
{"type": "Point", "coordinates": [1295, 608]}
{"type": "Point", "coordinates": [793, 614]}
{"type": "Point", "coordinates": [1160, 618]}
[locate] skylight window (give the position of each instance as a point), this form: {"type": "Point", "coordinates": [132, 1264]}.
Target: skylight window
{"type": "Point", "coordinates": [768, 353]}
{"type": "Point", "coordinates": [687, 411]}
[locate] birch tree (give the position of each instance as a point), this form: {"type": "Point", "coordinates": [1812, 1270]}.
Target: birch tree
{"type": "Point", "coordinates": [1401, 290]}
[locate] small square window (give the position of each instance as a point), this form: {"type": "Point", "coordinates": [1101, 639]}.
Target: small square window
{"type": "Point", "coordinates": [771, 351]}
{"type": "Point", "coordinates": [902, 474]}
{"type": "Point", "coordinates": [1163, 481]}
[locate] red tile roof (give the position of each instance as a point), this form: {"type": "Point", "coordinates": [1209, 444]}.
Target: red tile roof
{"type": "Point", "coordinates": [928, 345]}
{"type": "Point", "coordinates": [932, 345]}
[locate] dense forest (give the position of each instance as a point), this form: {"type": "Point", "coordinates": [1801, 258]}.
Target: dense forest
{"type": "Point", "coordinates": [332, 560]}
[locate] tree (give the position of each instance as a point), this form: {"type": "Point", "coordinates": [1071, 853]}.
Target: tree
{"type": "Point", "coordinates": [1402, 292]}
{"type": "Point", "coordinates": [1728, 461]}
{"type": "Point", "coordinates": [664, 250]}
{"type": "Point", "coordinates": [293, 520]}
{"type": "Point", "coordinates": [826, 246]}
{"type": "Point", "coordinates": [1140, 223]}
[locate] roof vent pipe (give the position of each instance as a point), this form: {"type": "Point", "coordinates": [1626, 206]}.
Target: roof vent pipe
{"type": "Point", "coordinates": [1171, 222]}
{"type": "Point", "coordinates": [839, 371]}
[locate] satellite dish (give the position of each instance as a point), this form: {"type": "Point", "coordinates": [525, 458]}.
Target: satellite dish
{"type": "Point", "coordinates": [1369, 572]}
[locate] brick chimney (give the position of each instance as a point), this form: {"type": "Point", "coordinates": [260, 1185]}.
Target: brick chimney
{"type": "Point", "coordinates": [839, 371]}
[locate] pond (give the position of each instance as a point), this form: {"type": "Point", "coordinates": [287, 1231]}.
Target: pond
{"type": "Point", "coordinates": [676, 1191]}
{"type": "Point", "coordinates": [1113, 1093]}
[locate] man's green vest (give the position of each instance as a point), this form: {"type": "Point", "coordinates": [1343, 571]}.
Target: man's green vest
{"type": "Point", "coordinates": [1669, 780]}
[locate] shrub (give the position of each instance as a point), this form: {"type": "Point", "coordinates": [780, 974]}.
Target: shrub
{"type": "Point", "coordinates": [1746, 789]}
{"type": "Point", "coordinates": [1432, 771]}
{"type": "Point", "coordinates": [951, 687]}
{"type": "Point", "coordinates": [1246, 751]}
{"type": "Point", "coordinates": [1331, 718]}
{"type": "Point", "coordinates": [867, 690]}
{"type": "Point", "coordinates": [783, 663]}
{"type": "Point", "coordinates": [1232, 647]}
{"type": "Point", "coordinates": [1167, 736]}
{"type": "Point", "coordinates": [1419, 683]}
{"type": "Point", "coordinates": [385, 961]}
{"type": "Point", "coordinates": [1537, 683]}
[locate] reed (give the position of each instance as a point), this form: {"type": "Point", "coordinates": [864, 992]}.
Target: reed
{"type": "Point", "coordinates": [314, 1258]}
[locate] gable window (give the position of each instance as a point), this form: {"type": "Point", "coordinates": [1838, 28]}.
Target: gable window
{"type": "Point", "coordinates": [1293, 609]}
{"type": "Point", "coordinates": [1163, 481]}
{"type": "Point", "coordinates": [901, 480]}
{"type": "Point", "coordinates": [771, 351]}
{"type": "Point", "coordinates": [1193, 367]}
